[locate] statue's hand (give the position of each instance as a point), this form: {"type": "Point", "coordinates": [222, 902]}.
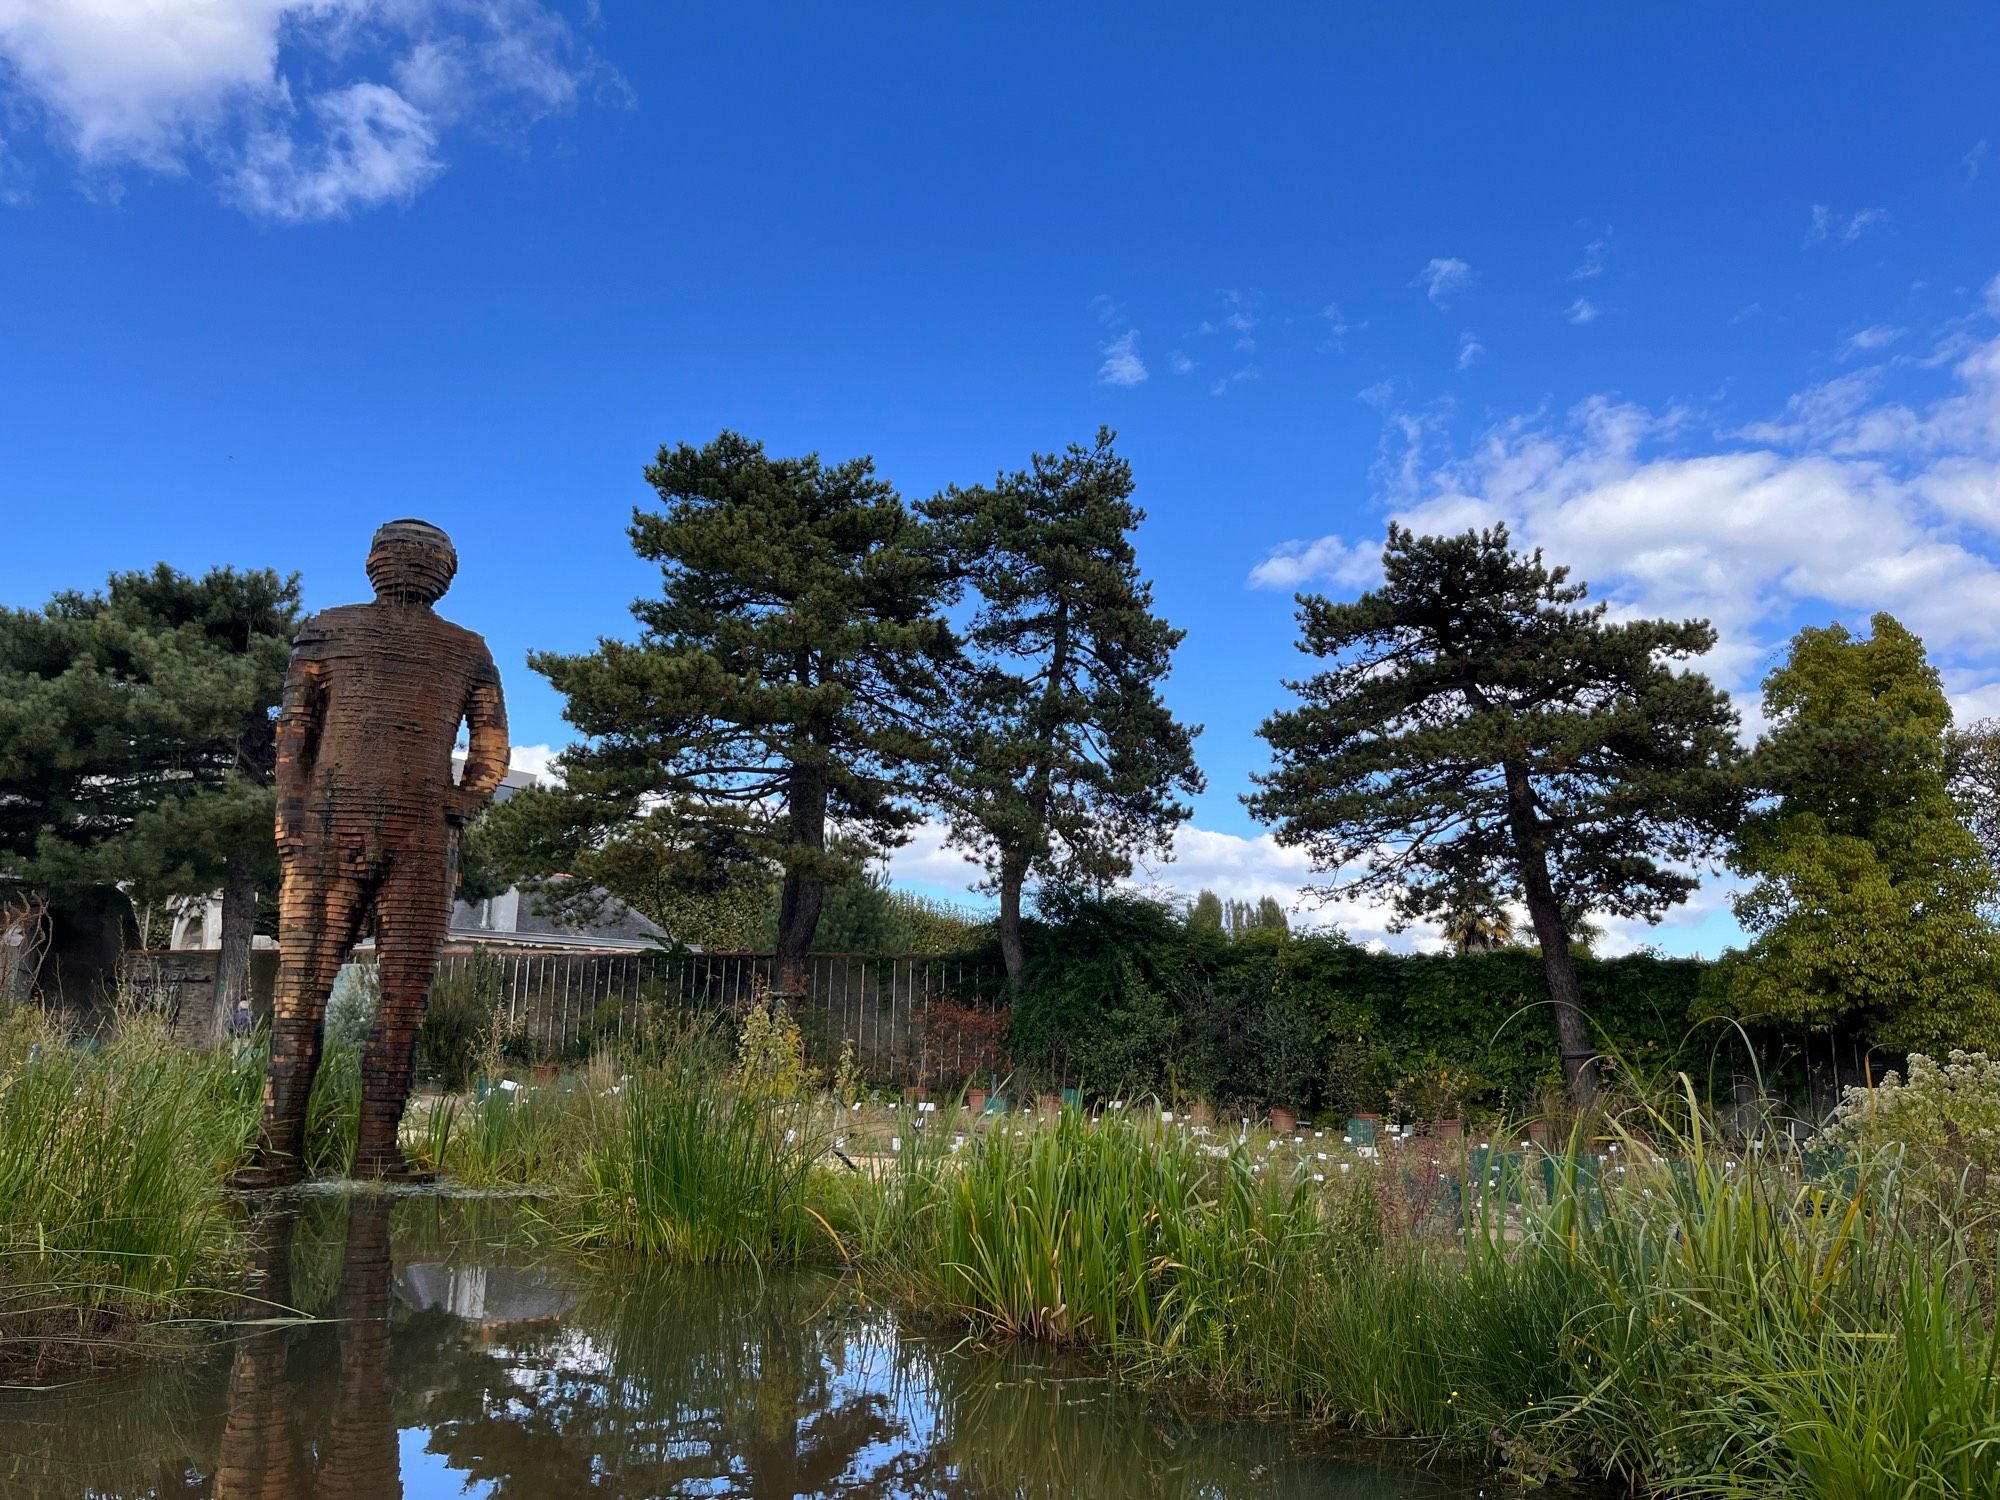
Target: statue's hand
{"type": "Point", "coordinates": [461, 806]}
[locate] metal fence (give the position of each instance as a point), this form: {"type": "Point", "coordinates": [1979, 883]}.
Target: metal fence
{"type": "Point", "coordinates": [907, 1019]}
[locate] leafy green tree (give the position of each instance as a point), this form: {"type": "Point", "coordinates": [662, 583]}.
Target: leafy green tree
{"type": "Point", "coordinates": [1065, 763]}
{"type": "Point", "coordinates": [1866, 888]}
{"type": "Point", "coordinates": [1478, 726]}
{"type": "Point", "coordinates": [1973, 762]}
{"type": "Point", "coordinates": [1241, 918]}
{"type": "Point", "coordinates": [785, 681]}
{"type": "Point", "coordinates": [137, 742]}
{"type": "Point", "coordinates": [1206, 912]}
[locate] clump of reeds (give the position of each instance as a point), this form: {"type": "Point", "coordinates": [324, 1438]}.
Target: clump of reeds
{"type": "Point", "coordinates": [112, 1159]}
{"type": "Point", "coordinates": [693, 1169]}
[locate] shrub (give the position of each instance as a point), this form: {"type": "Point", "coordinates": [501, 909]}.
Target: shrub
{"type": "Point", "coordinates": [1943, 1119]}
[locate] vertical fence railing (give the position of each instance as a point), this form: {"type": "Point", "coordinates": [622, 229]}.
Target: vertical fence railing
{"type": "Point", "coordinates": [904, 1016]}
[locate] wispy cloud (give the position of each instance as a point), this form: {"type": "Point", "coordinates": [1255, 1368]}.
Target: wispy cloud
{"type": "Point", "coordinates": [1592, 264]}
{"type": "Point", "coordinates": [1828, 227]}
{"type": "Point", "coordinates": [1850, 500]}
{"type": "Point", "coordinates": [1337, 327]}
{"type": "Point", "coordinates": [1122, 365]}
{"type": "Point", "coordinates": [1469, 349]}
{"type": "Point", "coordinates": [1234, 377]}
{"type": "Point", "coordinates": [1868, 340]}
{"type": "Point", "coordinates": [295, 109]}
{"type": "Point", "coordinates": [1973, 161]}
{"type": "Point", "coordinates": [1179, 363]}
{"type": "Point", "coordinates": [1444, 278]}
{"type": "Point", "coordinates": [1583, 310]}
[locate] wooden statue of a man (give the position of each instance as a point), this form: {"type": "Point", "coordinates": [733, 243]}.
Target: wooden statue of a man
{"type": "Point", "coordinates": [368, 824]}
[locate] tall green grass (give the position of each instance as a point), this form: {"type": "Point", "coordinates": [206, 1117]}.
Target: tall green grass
{"type": "Point", "coordinates": [111, 1164]}
{"type": "Point", "coordinates": [695, 1172]}
{"type": "Point", "coordinates": [1116, 1233]}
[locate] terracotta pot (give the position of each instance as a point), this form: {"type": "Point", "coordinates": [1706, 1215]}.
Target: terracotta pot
{"type": "Point", "coordinates": [1284, 1120]}
{"type": "Point", "coordinates": [915, 1092]}
{"type": "Point", "coordinates": [1539, 1132]}
{"type": "Point", "coordinates": [1449, 1129]}
{"type": "Point", "coordinates": [975, 1100]}
{"type": "Point", "coordinates": [545, 1072]}
{"type": "Point", "coordinates": [1048, 1104]}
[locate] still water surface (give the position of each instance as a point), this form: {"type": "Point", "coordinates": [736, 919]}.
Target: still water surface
{"type": "Point", "coordinates": [449, 1360]}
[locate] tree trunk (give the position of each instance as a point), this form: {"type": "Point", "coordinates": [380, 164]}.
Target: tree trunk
{"type": "Point", "coordinates": [1013, 875]}
{"type": "Point", "coordinates": [804, 891]}
{"type": "Point", "coordinates": [1579, 1057]}
{"type": "Point", "coordinates": [239, 925]}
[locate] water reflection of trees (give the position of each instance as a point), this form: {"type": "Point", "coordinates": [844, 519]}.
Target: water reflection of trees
{"type": "Point", "coordinates": [617, 1381]}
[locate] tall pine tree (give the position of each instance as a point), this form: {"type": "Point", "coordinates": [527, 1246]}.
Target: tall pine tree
{"type": "Point", "coordinates": [137, 747]}
{"type": "Point", "coordinates": [785, 682]}
{"type": "Point", "coordinates": [1066, 764]}
{"type": "Point", "coordinates": [1479, 728]}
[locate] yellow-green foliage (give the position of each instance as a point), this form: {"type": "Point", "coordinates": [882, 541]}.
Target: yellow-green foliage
{"type": "Point", "coordinates": [771, 1052]}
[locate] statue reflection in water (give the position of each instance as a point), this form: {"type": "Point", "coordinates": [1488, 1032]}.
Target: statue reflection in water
{"type": "Point", "coordinates": [264, 1454]}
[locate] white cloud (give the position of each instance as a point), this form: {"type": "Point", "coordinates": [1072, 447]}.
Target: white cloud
{"type": "Point", "coordinates": [1843, 229]}
{"type": "Point", "coordinates": [1868, 340]}
{"type": "Point", "coordinates": [1444, 278]}
{"type": "Point", "coordinates": [1179, 363]}
{"type": "Point", "coordinates": [1337, 326]}
{"type": "Point", "coordinates": [300, 109]}
{"type": "Point", "coordinates": [1592, 264]}
{"type": "Point", "coordinates": [1973, 160]}
{"type": "Point", "coordinates": [1122, 365]}
{"type": "Point", "coordinates": [1469, 349]}
{"type": "Point", "coordinates": [1234, 377]}
{"type": "Point", "coordinates": [534, 759]}
{"type": "Point", "coordinates": [375, 147]}
{"type": "Point", "coordinates": [1235, 867]}
{"type": "Point", "coordinates": [1239, 311]}
{"type": "Point", "coordinates": [1582, 311]}
{"type": "Point", "coordinates": [1326, 559]}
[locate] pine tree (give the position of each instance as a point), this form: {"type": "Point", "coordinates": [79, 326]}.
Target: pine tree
{"type": "Point", "coordinates": [136, 743]}
{"type": "Point", "coordinates": [1479, 727]}
{"type": "Point", "coordinates": [1867, 888]}
{"type": "Point", "coordinates": [1066, 764]}
{"type": "Point", "coordinates": [787, 679]}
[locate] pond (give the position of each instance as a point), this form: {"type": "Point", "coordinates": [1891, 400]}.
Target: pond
{"type": "Point", "coordinates": [446, 1358]}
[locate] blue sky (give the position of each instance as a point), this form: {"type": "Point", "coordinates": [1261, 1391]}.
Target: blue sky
{"type": "Point", "coordinates": [1701, 299]}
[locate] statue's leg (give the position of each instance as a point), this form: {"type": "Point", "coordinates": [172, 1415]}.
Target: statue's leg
{"type": "Point", "coordinates": [411, 915]}
{"type": "Point", "coordinates": [324, 897]}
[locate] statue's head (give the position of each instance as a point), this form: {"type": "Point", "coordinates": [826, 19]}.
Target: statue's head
{"type": "Point", "coordinates": [411, 562]}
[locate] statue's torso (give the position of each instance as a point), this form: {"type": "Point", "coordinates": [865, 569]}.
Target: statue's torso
{"type": "Point", "coordinates": [394, 682]}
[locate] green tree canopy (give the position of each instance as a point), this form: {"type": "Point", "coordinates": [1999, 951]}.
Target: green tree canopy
{"type": "Point", "coordinates": [1479, 728]}
{"type": "Point", "coordinates": [785, 681]}
{"type": "Point", "coordinates": [136, 741]}
{"type": "Point", "coordinates": [1866, 888]}
{"type": "Point", "coordinates": [1065, 763]}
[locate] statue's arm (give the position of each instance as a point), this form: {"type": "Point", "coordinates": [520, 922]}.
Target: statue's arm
{"type": "Point", "coordinates": [487, 752]}
{"type": "Point", "coordinates": [300, 714]}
